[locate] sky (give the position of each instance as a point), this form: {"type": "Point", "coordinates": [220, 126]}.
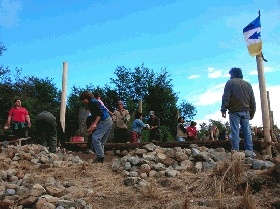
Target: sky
{"type": "Point", "coordinates": [198, 42]}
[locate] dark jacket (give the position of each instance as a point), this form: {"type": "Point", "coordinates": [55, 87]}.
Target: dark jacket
{"type": "Point", "coordinates": [238, 96]}
{"type": "Point", "coordinates": [96, 109]}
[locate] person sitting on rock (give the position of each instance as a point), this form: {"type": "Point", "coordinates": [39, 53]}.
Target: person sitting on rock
{"type": "Point", "coordinates": [181, 131]}
{"type": "Point", "coordinates": [214, 133]}
{"type": "Point", "coordinates": [192, 132]}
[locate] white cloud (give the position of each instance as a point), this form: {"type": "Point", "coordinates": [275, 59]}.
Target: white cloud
{"type": "Point", "coordinates": [9, 12]}
{"type": "Point", "coordinates": [214, 95]}
{"type": "Point", "coordinates": [214, 116]}
{"type": "Point", "coordinates": [210, 69]}
{"type": "Point", "coordinates": [212, 73]}
{"type": "Point", "coordinates": [266, 70]}
{"type": "Point", "coordinates": [194, 76]}
{"type": "Point", "coordinates": [215, 74]}
{"type": "Point", "coordinates": [274, 103]}
{"type": "Point", "coordinates": [211, 96]}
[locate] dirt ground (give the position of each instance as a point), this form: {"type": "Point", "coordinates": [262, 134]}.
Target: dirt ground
{"type": "Point", "coordinates": [222, 188]}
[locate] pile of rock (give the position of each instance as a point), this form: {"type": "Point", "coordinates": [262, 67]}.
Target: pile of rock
{"type": "Point", "coordinates": [20, 189]}
{"type": "Point", "coordinates": [155, 161]}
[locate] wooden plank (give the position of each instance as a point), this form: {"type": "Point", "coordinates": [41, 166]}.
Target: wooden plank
{"type": "Point", "coordinates": [17, 141]}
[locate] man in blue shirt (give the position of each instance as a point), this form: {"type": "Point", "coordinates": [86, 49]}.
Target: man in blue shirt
{"type": "Point", "coordinates": [137, 127]}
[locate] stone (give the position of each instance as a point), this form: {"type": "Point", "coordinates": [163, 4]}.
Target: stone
{"type": "Point", "coordinates": [56, 191]}
{"type": "Point", "coordinates": [168, 161]}
{"type": "Point", "coordinates": [180, 156]}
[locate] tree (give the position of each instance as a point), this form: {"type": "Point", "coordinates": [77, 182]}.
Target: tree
{"type": "Point", "coordinates": [2, 48]}
{"type": "Point", "coordinates": [156, 93]}
{"type": "Point", "coordinates": [162, 99]}
{"type": "Point", "coordinates": [187, 110]}
{"type": "Point", "coordinates": [6, 93]}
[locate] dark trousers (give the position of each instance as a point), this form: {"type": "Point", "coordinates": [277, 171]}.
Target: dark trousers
{"type": "Point", "coordinates": [47, 133]}
{"type": "Point", "coordinates": [120, 135]}
{"type": "Point", "coordinates": [154, 135]}
{"type": "Point", "coordinates": [191, 138]}
{"type": "Point", "coordinates": [19, 129]}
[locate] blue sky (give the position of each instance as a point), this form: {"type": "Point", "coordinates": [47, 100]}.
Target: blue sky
{"type": "Point", "coordinates": [197, 41]}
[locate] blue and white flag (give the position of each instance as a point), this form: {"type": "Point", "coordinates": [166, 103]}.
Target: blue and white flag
{"type": "Point", "coordinates": [252, 35]}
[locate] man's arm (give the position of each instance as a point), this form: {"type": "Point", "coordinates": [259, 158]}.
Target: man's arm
{"type": "Point", "coordinates": [252, 105]}
{"type": "Point", "coordinates": [226, 99]}
{"type": "Point", "coordinates": [7, 126]}
{"type": "Point", "coordinates": [95, 110]}
{"type": "Point", "coordinates": [183, 128]}
{"type": "Point", "coordinates": [28, 120]}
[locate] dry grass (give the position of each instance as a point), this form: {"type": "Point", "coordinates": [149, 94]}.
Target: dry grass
{"type": "Point", "coordinates": [248, 202]}
{"type": "Point", "coordinates": [221, 188]}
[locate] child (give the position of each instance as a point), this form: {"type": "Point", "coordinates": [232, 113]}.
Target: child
{"type": "Point", "coordinates": [137, 127]}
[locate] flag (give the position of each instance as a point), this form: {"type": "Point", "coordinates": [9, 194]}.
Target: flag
{"type": "Point", "coordinates": [252, 35]}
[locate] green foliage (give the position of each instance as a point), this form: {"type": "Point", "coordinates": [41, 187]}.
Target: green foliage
{"type": "Point", "coordinates": [36, 94]}
{"type": "Point", "coordinates": [2, 48]}
{"type": "Point", "coordinates": [155, 91]}
{"type": "Point", "coordinates": [187, 110]}
{"type": "Point", "coordinates": [130, 85]}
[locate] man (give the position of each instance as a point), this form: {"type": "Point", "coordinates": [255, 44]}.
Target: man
{"type": "Point", "coordinates": [90, 148]}
{"type": "Point", "coordinates": [100, 126]}
{"type": "Point", "coordinates": [154, 123]}
{"type": "Point", "coordinates": [239, 100]}
{"type": "Point", "coordinates": [136, 128]}
{"type": "Point", "coordinates": [181, 131]}
{"type": "Point", "coordinates": [46, 128]}
{"type": "Point", "coordinates": [121, 117]}
{"type": "Point", "coordinates": [18, 120]}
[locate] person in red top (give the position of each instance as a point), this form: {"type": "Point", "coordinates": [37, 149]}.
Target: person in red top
{"type": "Point", "coordinates": [18, 120]}
{"type": "Point", "coordinates": [192, 132]}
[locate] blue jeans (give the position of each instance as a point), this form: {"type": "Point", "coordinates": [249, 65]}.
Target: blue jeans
{"type": "Point", "coordinates": [243, 119]}
{"type": "Point", "coordinates": [181, 139]}
{"type": "Point", "coordinates": [100, 136]}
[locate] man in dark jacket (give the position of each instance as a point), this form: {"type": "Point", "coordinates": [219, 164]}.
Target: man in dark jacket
{"type": "Point", "coordinates": [100, 126]}
{"type": "Point", "coordinates": [239, 100]}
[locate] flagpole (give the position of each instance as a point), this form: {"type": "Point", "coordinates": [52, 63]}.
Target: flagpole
{"type": "Point", "coordinates": [264, 104]}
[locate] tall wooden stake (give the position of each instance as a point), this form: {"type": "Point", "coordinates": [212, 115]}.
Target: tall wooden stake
{"type": "Point", "coordinates": [63, 96]}
{"type": "Point", "coordinates": [264, 104]}
{"type": "Point", "coordinates": [270, 112]}
{"type": "Point", "coordinates": [140, 106]}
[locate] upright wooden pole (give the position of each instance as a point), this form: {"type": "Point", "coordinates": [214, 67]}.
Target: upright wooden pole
{"type": "Point", "coordinates": [264, 104]}
{"type": "Point", "coordinates": [270, 112]}
{"type": "Point", "coordinates": [63, 96]}
{"type": "Point", "coordinates": [178, 114]}
{"type": "Point", "coordinates": [140, 106]}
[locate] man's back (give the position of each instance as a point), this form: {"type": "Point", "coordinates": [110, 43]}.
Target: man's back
{"type": "Point", "coordinates": [238, 96]}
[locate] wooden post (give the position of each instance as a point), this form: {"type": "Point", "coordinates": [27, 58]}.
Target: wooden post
{"type": "Point", "coordinates": [264, 104]}
{"type": "Point", "coordinates": [270, 112]}
{"type": "Point", "coordinates": [178, 114]}
{"type": "Point", "coordinates": [140, 106]}
{"type": "Point", "coordinates": [63, 96]}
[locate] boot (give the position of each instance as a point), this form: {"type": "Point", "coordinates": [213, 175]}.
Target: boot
{"type": "Point", "coordinates": [99, 160]}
